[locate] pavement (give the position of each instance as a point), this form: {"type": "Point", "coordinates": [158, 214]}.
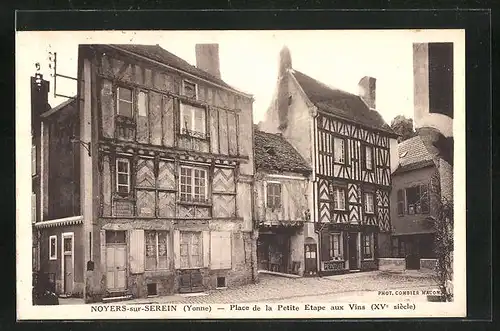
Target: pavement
{"type": "Point", "coordinates": [339, 288]}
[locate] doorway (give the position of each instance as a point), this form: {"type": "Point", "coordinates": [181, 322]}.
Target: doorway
{"type": "Point", "coordinates": [412, 254]}
{"type": "Point", "coordinates": [68, 263]}
{"type": "Point", "coordinates": [353, 250]}
{"type": "Point", "coordinates": [191, 281]}
{"type": "Point", "coordinates": [310, 260]}
{"type": "Point", "coordinates": [116, 261]}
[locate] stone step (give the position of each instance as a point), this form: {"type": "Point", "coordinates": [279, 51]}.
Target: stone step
{"type": "Point", "coordinates": [281, 274]}
{"type": "Point", "coordinates": [117, 298]}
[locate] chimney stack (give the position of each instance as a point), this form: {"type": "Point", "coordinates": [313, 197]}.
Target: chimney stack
{"type": "Point", "coordinates": [367, 90]}
{"type": "Point", "coordinates": [207, 58]}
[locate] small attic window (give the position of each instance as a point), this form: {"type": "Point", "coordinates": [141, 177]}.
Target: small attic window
{"type": "Point", "coordinates": [270, 150]}
{"type": "Point", "coordinates": [403, 154]}
{"type": "Point", "coordinates": [290, 99]}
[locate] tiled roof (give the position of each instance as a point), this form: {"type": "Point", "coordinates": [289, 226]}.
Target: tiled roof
{"type": "Point", "coordinates": [155, 52]}
{"type": "Point", "coordinates": [413, 155]}
{"type": "Point", "coordinates": [273, 152]}
{"type": "Point", "coordinates": [340, 103]}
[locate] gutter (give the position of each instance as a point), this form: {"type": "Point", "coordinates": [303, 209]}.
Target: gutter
{"type": "Point", "coordinates": [182, 71]}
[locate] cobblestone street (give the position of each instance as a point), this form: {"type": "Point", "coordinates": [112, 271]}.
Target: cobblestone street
{"type": "Point", "coordinates": [272, 288]}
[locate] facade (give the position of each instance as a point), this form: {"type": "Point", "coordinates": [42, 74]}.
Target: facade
{"type": "Point", "coordinates": [164, 161]}
{"type": "Point", "coordinates": [282, 207]}
{"type": "Point", "coordinates": [350, 150]}
{"type": "Point", "coordinates": [415, 192]}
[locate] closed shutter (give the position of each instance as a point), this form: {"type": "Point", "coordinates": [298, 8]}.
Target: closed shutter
{"type": "Point", "coordinates": [220, 250]}
{"type": "Point", "coordinates": [401, 203]}
{"type": "Point", "coordinates": [137, 251]}
{"type": "Point", "coordinates": [325, 246]}
{"type": "Point", "coordinates": [206, 248]}
{"type": "Point", "coordinates": [177, 249]}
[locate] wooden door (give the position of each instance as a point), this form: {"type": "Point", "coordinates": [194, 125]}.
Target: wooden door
{"type": "Point", "coordinates": [310, 261]}
{"type": "Point", "coordinates": [116, 271]}
{"type": "Point", "coordinates": [412, 256]}
{"type": "Point", "coordinates": [191, 281]}
{"type": "Point", "coordinates": [353, 251]}
{"type": "Point", "coordinates": [68, 264]}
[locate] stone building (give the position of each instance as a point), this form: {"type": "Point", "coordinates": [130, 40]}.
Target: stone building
{"type": "Point", "coordinates": [161, 175]}
{"type": "Point", "coordinates": [414, 196]}
{"type": "Point", "coordinates": [282, 207]}
{"type": "Point", "coordinates": [349, 148]}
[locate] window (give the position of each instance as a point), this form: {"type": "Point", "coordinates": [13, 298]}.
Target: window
{"type": "Point", "coordinates": [273, 195]}
{"type": "Point", "coordinates": [417, 200]}
{"type": "Point", "coordinates": [33, 207]}
{"type": "Point", "coordinates": [368, 246]}
{"type": "Point", "coordinates": [123, 176]}
{"type": "Point", "coordinates": [33, 160]}
{"type": "Point", "coordinates": [115, 237]}
{"type": "Point", "coordinates": [193, 121]}
{"type": "Point", "coordinates": [190, 89]}
{"type": "Point", "coordinates": [335, 247]}
{"type": "Point", "coordinates": [368, 158]}
{"type": "Point", "coordinates": [193, 184]}
{"type": "Point", "coordinates": [369, 205]}
{"type": "Point", "coordinates": [124, 102]}
{"type": "Point", "coordinates": [339, 198]}
{"type": "Point", "coordinates": [339, 150]}
{"type": "Point", "coordinates": [53, 248]}
{"type": "Point", "coordinates": [191, 256]}
{"type": "Point", "coordinates": [142, 103]}
{"type": "Point", "coordinates": [401, 202]}
{"type": "Point", "coordinates": [67, 244]}
{"type": "Point", "coordinates": [156, 250]}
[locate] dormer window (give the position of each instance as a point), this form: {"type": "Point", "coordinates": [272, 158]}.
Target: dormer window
{"type": "Point", "coordinates": [189, 89]}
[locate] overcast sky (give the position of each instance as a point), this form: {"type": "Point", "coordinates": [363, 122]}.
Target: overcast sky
{"type": "Point", "coordinates": [249, 59]}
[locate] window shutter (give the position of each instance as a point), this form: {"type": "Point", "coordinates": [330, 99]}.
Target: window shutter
{"type": "Point", "coordinates": [325, 246]}
{"type": "Point", "coordinates": [137, 251]}
{"type": "Point", "coordinates": [424, 196]}
{"type": "Point", "coordinates": [177, 249]}
{"type": "Point", "coordinates": [363, 157]}
{"type": "Point", "coordinates": [206, 248]}
{"type": "Point", "coordinates": [220, 250]}
{"type": "Point", "coordinates": [400, 202]}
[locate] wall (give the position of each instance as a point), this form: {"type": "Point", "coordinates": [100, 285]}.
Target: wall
{"type": "Point", "coordinates": [294, 193]}
{"type": "Point", "coordinates": [54, 266]}
{"type": "Point", "coordinates": [299, 118]}
{"type": "Point", "coordinates": [63, 163]}
{"type": "Point", "coordinates": [297, 250]}
{"type": "Point", "coordinates": [392, 264]}
{"type": "Point", "coordinates": [409, 224]}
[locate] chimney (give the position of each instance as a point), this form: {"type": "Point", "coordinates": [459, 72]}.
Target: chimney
{"type": "Point", "coordinates": [285, 60]}
{"type": "Point", "coordinates": [207, 58]}
{"type": "Point", "coordinates": [367, 90]}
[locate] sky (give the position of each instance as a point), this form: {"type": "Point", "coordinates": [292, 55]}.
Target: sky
{"type": "Point", "coordinates": [249, 59]}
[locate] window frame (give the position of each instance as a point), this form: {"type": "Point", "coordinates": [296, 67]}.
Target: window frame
{"type": "Point", "coordinates": [189, 250]}
{"type": "Point", "coordinates": [34, 207]}
{"type": "Point", "coordinates": [418, 201]}
{"type": "Point", "coordinates": [146, 93]}
{"type": "Point", "coordinates": [368, 166]}
{"type": "Point", "coordinates": [365, 200]}
{"type": "Point", "coordinates": [371, 245]}
{"type": "Point", "coordinates": [129, 176]}
{"type": "Point", "coordinates": [131, 102]}
{"type": "Point", "coordinates": [184, 81]}
{"type": "Point", "coordinates": [191, 131]}
{"type": "Point", "coordinates": [53, 253]}
{"type": "Point", "coordinates": [340, 257]}
{"type": "Point", "coordinates": [192, 184]}
{"type": "Point", "coordinates": [344, 192]}
{"type": "Point", "coordinates": [401, 203]}
{"type": "Point", "coordinates": [157, 251]}
{"type": "Point", "coordinates": [344, 151]}
{"type": "Point", "coordinates": [273, 206]}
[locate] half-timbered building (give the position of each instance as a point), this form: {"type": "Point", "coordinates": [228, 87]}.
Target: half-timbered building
{"type": "Point", "coordinates": [348, 146]}
{"type": "Point", "coordinates": [165, 168]}
{"type": "Point", "coordinates": [282, 207]}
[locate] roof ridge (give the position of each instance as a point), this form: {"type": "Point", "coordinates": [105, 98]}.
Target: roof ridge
{"type": "Point", "coordinates": [334, 88]}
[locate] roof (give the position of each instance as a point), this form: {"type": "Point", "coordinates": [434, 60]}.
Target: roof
{"type": "Point", "coordinates": [340, 103]}
{"type": "Point", "coordinates": [60, 106]}
{"type": "Point", "coordinates": [413, 155]}
{"type": "Point", "coordinates": [156, 53]}
{"type": "Point", "coordinates": [273, 152]}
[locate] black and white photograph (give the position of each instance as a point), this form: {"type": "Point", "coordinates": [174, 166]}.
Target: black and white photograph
{"type": "Point", "coordinates": [240, 174]}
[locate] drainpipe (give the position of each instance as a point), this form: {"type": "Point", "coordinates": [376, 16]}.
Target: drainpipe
{"type": "Point", "coordinates": [314, 113]}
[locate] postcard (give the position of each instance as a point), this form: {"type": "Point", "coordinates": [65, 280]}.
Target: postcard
{"type": "Point", "coordinates": [240, 174]}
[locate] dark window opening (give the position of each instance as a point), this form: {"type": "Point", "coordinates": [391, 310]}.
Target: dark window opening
{"type": "Point", "coordinates": [152, 289]}
{"type": "Point", "coordinates": [221, 281]}
{"type": "Point", "coordinates": [115, 237]}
